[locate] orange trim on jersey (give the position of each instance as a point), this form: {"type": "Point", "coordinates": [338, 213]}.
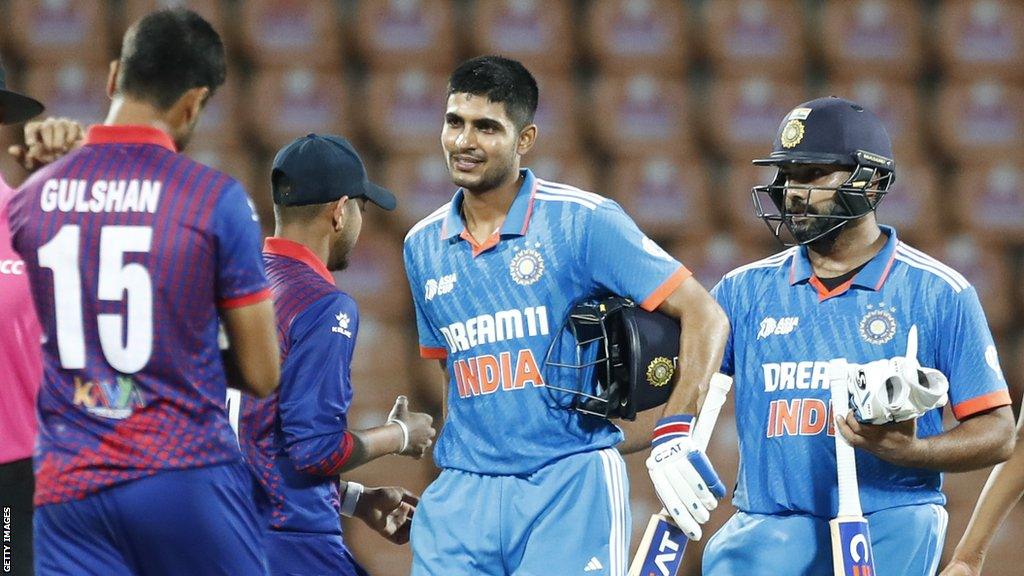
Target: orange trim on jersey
{"type": "Point", "coordinates": [667, 287]}
{"type": "Point", "coordinates": [296, 251]}
{"type": "Point", "coordinates": [824, 293]}
{"type": "Point", "coordinates": [246, 300]}
{"type": "Point", "coordinates": [128, 134]}
{"type": "Point", "coordinates": [433, 353]}
{"type": "Point", "coordinates": [885, 273]}
{"type": "Point", "coordinates": [478, 249]}
{"type": "Point", "coordinates": [981, 403]}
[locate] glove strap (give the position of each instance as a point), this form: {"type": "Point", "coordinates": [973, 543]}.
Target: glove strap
{"type": "Point", "coordinates": [672, 427]}
{"type": "Point", "coordinates": [352, 494]}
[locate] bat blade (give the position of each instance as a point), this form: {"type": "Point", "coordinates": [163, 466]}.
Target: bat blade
{"type": "Point", "coordinates": [851, 547]}
{"type": "Point", "coordinates": [661, 550]}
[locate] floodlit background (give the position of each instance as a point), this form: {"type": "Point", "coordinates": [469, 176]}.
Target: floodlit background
{"type": "Point", "coordinates": [659, 104]}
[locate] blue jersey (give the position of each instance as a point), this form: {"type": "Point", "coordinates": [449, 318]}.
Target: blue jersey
{"type": "Point", "coordinates": [786, 326]}
{"type": "Point", "coordinates": [492, 310]}
{"type": "Point", "coordinates": [130, 249]}
{"type": "Point", "coordinates": [297, 439]}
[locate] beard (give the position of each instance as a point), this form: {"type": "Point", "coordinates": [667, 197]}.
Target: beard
{"type": "Point", "coordinates": [821, 226]}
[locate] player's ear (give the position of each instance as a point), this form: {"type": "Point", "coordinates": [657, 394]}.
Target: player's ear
{"type": "Point", "coordinates": [338, 214]}
{"type": "Point", "coordinates": [527, 138]}
{"type": "Point", "coordinates": [112, 77]}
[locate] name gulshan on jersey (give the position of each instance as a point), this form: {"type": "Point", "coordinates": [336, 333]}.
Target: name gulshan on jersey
{"type": "Point", "coordinates": [67, 195]}
{"type": "Point", "coordinates": [487, 373]}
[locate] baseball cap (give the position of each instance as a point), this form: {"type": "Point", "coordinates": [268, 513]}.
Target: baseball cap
{"type": "Point", "coordinates": [320, 169]}
{"type": "Point", "coordinates": [14, 107]}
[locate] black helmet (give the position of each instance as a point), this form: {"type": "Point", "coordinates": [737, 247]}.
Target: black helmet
{"type": "Point", "coordinates": [835, 132]}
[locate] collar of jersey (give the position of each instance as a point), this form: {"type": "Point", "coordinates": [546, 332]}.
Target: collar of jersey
{"type": "Point", "coordinates": [516, 221]}
{"type": "Point", "coordinates": [871, 277]}
{"type": "Point", "coordinates": [128, 134]}
{"type": "Point", "coordinates": [289, 249]}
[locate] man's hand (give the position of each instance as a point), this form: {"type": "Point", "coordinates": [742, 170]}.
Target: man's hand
{"type": "Point", "coordinates": [683, 478]}
{"type": "Point", "coordinates": [416, 428]}
{"type": "Point", "coordinates": [46, 141]}
{"type": "Point", "coordinates": [389, 511]}
{"type": "Point", "coordinates": [961, 568]}
{"type": "Point", "coordinates": [895, 442]}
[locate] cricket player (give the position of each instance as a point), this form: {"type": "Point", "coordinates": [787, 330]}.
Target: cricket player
{"type": "Point", "coordinates": [20, 352]}
{"type": "Point", "coordinates": [528, 486]}
{"type": "Point", "coordinates": [848, 287]}
{"type": "Point", "coordinates": [132, 252]}
{"type": "Point", "coordinates": [297, 441]}
{"type": "Point", "coordinates": [1001, 494]}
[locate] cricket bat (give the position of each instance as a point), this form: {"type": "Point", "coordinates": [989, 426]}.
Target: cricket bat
{"type": "Point", "coordinates": [661, 549]}
{"type": "Point", "coordinates": [851, 541]}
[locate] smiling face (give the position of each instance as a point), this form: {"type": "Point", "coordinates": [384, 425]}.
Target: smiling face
{"type": "Point", "coordinates": [481, 143]}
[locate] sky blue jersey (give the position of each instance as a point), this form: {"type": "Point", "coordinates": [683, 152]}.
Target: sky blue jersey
{"type": "Point", "coordinates": [491, 311]}
{"type": "Point", "coordinates": [786, 326]}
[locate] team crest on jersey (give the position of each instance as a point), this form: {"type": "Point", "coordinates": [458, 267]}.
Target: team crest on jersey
{"type": "Point", "coordinates": [342, 327]}
{"type": "Point", "coordinates": [878, 325]}
{"type": "Point", "coordinates": [527, 266]}
{"type": "Point", "coordinates": [660, 371]}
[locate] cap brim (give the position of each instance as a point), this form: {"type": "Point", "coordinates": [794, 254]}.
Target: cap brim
{"type": "Point", "coordinates": [16, 108]}
{"type": "Point", "coordinates": [778, 158]}
{"type": "Point", "coordinates": [380, 196]}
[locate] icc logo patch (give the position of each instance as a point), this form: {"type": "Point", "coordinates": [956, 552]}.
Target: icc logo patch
{"type": "Point", "coordinates": [878, 325]}
{"type": "Point", "coordinates": [527, 266]}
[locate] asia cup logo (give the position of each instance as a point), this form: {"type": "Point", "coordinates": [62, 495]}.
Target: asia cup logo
{"type": "Point", "coordinates": [878, 325]}
{"type": "Point", "coordinates": [527, 266]}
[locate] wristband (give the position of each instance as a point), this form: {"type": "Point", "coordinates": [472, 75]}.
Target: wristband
{"type": "Point", "coordinates": [671, 427]}
{"type": "Point", "coordinates": [352, 494]}
{"type": "Point", "coordinates": [405, 433]}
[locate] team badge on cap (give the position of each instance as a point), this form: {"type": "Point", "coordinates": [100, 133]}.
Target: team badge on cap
{"type": "Point", "coordinates": [660, 371]}
{"type": "Point", "coordinates": [792, 134]}
{"type": "Point", "coordinates": [527, 266]}
{"type": "Point", "coordinates": [878, 326]}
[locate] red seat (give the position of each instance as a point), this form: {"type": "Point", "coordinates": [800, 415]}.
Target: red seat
{"type": "Point", "coordinates": [420, 182]}
{"type": "Point", "coordinates": [403, 112]}
{"type": "Point", "coordinates": [641, 114]}
{"type": "Point", "coordinates": [292, 32]}
{"type": "Point", "coordinates": [712, 258]}
{"type": "Point", "coordinates": [896, 105]}
{"type": "Point", "coordinates": [980, 122]}
{"type": "Point", "coordinates": [981, 38]}
{"type": "Point", "coordinates": [293, 102]}
{"type": "Point", "coordinates": [213, 12]}
{"type": "Point", "coordinates": [392, 35]}
{"type": "Point", "coordinates": [883, 38]}
{"type": "Point", "coordinates": [743, 115]}
{"type": "Point", "coordinates": [60, 30]}
{"type": "Point", "coordinates": [665, 195]}
{"type": "Point", "coordinates": [751, 36]}
{"type": "Point", "coordinates": [989, 200]}
{"type": "Point", "coordinates": [77, 90]}
{"type": "Point", "coordinates": [539, 34]}
{"type": "Point", "coordinates": [626, 36]}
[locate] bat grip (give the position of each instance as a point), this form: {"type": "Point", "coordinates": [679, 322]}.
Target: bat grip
{"type": "Point", "coordinates": [846, 461]}
{"type": "Point", "coordinates": [718, 390]}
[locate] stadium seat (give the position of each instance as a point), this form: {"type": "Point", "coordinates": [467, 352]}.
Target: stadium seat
{"type": "Point", "coordinates": [392, 35]}
{"type": "Point", "coordinates": [641, 114]}
{"type": "Point", "coordinates": [895, 103]}
{"type": "Point", "coordinates": [214, 11]}
{"type": "Point", "coordinates": [375, 276]}
{"type": "Point", "coordinates": [574, 170]}
{"type": "Point", "coordinates": [665, 195]}
{"type": "Point", "coordinates": [713, 258]}
{"type": "Point", "coordinates": [557, 116]}
{"type": "Point", "coordinates": [537, 33]}
{"type": "Point", "coordinates": [288, 103]}
{"type": "Point", "coordinates": [879, 37]}
{"type": "Point", "coordinates": [750, 36]}
{"type": "Point", "coordinates": [238, 163]}
{"type": "Point", "coordinates": [735, 205]}
{"type": "Point", "coordinates": [74, 89]}
{"type": "Point", "coordinates": [913, 204]}
{"type": "Point", "coordinates": [742, 115]}
{"type": "Point", "coordinates": [403, 111]}
{"type": "Point", "coordinates": [981, 38]}
{"type": "Point", "coordinates": [53, 32]}
{"type": "Point", "coordinates": [290, 33]}
{"type": "Point", "coordinates": [980, 122]}
{"type": "Point", "coordinates": [222, 120]}
{"type": "Point", "coordinates": [630, 35]}
{"type": "Point", "coordinates": [986, 267]}
{"type": "Point", "coordinates": [989, 200]}
{"type": "Point", "coordinates": [420, 182]}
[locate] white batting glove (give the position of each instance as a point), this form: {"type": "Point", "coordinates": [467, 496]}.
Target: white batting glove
{"type": "Point", "coordinates": [685, 481]}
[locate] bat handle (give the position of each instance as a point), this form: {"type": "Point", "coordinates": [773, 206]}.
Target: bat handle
{"type": "Point", "coordinates": [718, 391]}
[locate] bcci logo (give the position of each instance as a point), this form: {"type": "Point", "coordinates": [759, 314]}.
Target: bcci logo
{"type": "Point", "coordinates": [660, 371]}
{"type": "Point", "coordinates": [878, 326]}
{"type": "Point", "coordinates": [526, 267]}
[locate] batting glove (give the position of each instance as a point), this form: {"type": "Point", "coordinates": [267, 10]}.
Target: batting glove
{"type": "Point", "coordinates": [685, 481]}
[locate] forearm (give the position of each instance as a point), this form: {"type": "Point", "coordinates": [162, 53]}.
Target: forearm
{"type": "Point", "coordinates": [980, 441]}
{"type": "Point", "coordinates": [373, 443]}
{"type": "Point", "coordinates": [701, 345]}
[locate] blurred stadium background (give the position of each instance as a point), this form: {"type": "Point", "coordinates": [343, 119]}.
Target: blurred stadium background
{"type": "Point", "coordinates": [659, 104]}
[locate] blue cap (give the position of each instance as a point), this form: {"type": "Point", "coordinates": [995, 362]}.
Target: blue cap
{"type": "Point", "coordinates": [320, 169]}
{"type": "Point", "coordinates": [831, 131]}
{"type": "Point", "coordinates": [14, 107]}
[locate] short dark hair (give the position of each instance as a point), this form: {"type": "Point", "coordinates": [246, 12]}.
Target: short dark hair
{"type": "Point", "coordinates": [501, 80]}
{"type": "Point", "coordinates": [167, 53]}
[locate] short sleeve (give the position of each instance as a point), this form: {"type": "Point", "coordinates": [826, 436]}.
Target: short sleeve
{"type": "Point", "coordinates": [241, 280]}
{"type": "Point", "coordinates": [967, 356]}
{"type": "Point", "coordinates": [432, 346]}
{"type": "Point", "coordinates": [316, 389]}
{"type": "Point", "coordinates": [722, 293]}
{"type": "Point", "coordinates": [622, 260]}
